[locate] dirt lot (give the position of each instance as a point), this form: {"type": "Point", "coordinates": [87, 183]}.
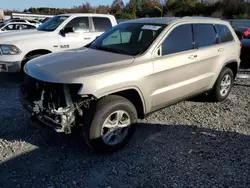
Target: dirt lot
{"type": "Point", "coordinates": [190, 144]}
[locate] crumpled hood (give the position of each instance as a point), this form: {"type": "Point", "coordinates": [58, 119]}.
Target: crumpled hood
{"type": "Point", "coordinates": [70, 66]}
{"type": "Point", "coordinates": [14, 36]}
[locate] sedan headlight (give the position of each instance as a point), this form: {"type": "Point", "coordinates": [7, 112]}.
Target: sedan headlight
{"type": "Point", "coordinates": [9, 49]}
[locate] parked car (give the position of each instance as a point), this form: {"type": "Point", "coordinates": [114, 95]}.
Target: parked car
{"type": "Point", "coordinates": [35, 22]}
{"type": "Point", "coordinates": [60, 33]}
{"type": "Point", "coordinates": [242, 32]}
{"type": "Point", "coordinates": [245, 50]}
{"type": "Point", "coordinates": [15, 26]}
{"type": "Point", "coordinates": [131, 70]}
{"type": "Point", "coordinates": [16, 20]}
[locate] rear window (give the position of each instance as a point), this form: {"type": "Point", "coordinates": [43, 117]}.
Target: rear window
{"type": "Point", "coordinates": [204, 35]}
{"type": "Point", "coordinates": [102, 24]}
{"type": "Point", "coordinates": [224, 34]}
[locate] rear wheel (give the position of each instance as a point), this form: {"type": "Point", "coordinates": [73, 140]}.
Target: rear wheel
{"type": "Point", "coordinates": [112, 124]}
{"type": "Point", "coordinates": [223, 85]}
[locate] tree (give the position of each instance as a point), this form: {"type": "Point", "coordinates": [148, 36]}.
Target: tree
{"type": "Point", "coordinates": [117, 6]}
{"type": "Point", "coordinates": [102, 9]}
{"type": "Point", "coordinates": [182, 7]}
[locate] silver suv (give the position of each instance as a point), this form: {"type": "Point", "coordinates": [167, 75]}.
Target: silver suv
{"type": "Point", "coordinates": [131, 70]}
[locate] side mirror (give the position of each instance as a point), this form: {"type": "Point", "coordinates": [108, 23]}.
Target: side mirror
{"type": "Point", "coordinates": [158, 52]}
{"type": "Point", "coordinates": [67, 30]}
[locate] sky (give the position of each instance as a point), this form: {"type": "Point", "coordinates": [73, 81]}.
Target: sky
{"type": "Point", "coordinates": [25, 4]}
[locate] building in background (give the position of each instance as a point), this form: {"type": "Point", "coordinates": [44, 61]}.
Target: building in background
{"type": "Point", "coordinates": [29, 16]}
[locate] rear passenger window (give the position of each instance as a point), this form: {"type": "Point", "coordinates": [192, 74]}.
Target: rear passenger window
{"type": "Point", "coordinates": [204, 35]}
{"type": "Point", "coordinates": [179, 40]}
{"type": "Point", "coordinates": [101, 24]}
{"type": "Point", "coordinates": [224, 34]}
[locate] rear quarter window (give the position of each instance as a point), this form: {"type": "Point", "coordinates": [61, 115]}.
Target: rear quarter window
{"type": "Point", "coordinates": [102, 24]}
{"type": "Point", "coordinates": [224, 34]}
{"type": "Point", "coordinates": [204, 35]}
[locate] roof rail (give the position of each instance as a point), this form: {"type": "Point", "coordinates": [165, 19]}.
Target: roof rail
{"type": "Point", "coordinates": [200, 17]}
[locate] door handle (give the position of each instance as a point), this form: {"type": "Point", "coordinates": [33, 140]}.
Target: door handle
{"type": "Point", "coordinates": [88, 38]}
{"type": "Point", "coordinates": [221, 50]}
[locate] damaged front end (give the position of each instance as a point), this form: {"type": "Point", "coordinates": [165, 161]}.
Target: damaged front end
{"type": "Point", "coordinates": [56, 105]}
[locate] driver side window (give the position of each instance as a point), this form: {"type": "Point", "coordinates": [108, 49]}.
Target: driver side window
{"type": "Point", "coordinates": [79, 24]}
{"type": "Point", "coordinates": [117, 38]}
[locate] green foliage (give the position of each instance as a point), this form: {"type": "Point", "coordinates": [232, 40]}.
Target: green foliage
{"type": "Point", "coordinates": [182, 7]}
{"type": "Point", "coordinates": [147, 8]}
{"type": "Point", "coordinates": [124, 15]}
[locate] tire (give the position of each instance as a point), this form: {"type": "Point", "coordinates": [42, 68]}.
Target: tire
{"type": "Point", "coordinates": [28, 59]}
{"type": "Point", "coordinates": [95, 132]}
{"type": "Point", "coordinates": [217, 95]}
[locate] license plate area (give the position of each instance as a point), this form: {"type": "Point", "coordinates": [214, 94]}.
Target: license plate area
{"type": "Point", "coordinates": [3, 68]}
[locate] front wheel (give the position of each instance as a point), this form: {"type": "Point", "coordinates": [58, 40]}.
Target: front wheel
{"type": "Point", "coordinates": [112, 124]}
{"type": "Point", "coordinates": [27, 59]}
{"type": "Point", "coordinates": [223, 85]}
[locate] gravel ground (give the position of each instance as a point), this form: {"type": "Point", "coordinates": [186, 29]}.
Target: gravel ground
{"type": "Point", "coordinates": [190, 144]}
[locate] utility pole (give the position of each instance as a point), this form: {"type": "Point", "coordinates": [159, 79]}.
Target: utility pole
{"type": "Point", "coordinates": [160, 9]}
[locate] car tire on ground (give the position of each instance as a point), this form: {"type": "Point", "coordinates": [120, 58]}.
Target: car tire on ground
{"type": "Point", "coordinates": [223, 85]}
{"type": "Point", "coordinates": [109, 125]}
{"type": "Point", "coordinates": [28, 59]}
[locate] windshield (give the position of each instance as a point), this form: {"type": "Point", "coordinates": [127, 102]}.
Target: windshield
{"type": "Point", "coordinates": [52, 23]}
{"type": "Point", "coordinates": [128, 38]}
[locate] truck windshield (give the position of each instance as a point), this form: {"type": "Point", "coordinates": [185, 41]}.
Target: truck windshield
{"type": "Point", "coordinates": [128, 38]}
{"type": "Point", "coordinates": [52, 23]}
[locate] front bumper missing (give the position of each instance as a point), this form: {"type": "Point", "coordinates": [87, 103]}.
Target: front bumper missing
{"type": "Point", "coordinates": [42, 118]}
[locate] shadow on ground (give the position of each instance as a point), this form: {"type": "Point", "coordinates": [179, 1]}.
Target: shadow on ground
{"type": "Point", "coordinates": [245, 63]}
{"type": "Point", "coordinates": [158, 155]}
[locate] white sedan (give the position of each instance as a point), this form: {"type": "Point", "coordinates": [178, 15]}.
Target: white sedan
{"type": "Point", "coordinates": [16, 26]}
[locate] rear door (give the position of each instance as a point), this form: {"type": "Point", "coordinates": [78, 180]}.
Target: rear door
{"type": "Point", "coordinates": [100, 25]}
{"type": "Point", "coordinates": [209, 52]}
{"type": "Point", "coordinates": [81, 36]}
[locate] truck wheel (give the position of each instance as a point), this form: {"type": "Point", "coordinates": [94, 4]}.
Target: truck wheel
{"type": "Point", "coordinates": [112, 124]}
{"type": "Point", "coordinates": [28, 59]}
{"type": "Point", "coordinates": [223, 85]}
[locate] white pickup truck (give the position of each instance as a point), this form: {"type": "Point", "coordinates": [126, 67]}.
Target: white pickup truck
{"type": "Point", "coordinates": [60, 33]}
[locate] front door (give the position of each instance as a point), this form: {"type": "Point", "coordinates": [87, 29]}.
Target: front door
{"type": "Point", "coordinates": [81, 35]}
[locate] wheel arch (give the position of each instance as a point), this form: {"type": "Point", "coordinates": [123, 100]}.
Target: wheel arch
{"type": "Point", "coordinates": [233, 65]}
{"type": "Point", "coordinates": [35, 52]}
{"type": "Point", "coordinates": [134, 95]}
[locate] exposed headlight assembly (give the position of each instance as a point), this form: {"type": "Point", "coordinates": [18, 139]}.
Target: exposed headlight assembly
{"type": "Point", "coordinates": [6, 49]}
